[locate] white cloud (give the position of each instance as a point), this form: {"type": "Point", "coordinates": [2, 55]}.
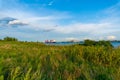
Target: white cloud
{"type": "Point", "coordinates": [17, 22]}
{"type": "Point", "coordinates": [71, 39]}
{"type": "Point", "coordinates": [101, 28]}
{"type": "Point", "coordinates": [91, 28]}
{"type": "Point", "coordinates": [111, 37]}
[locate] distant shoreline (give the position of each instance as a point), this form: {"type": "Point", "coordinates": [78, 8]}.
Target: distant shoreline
{"type": "Point", "coordinates": [114, 43]}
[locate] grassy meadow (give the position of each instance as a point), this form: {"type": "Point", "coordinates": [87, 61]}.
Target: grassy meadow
{"type": "Point", "coordinates": [37, 61]}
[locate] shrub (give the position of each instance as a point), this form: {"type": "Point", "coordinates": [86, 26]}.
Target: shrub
{"type": "Point", "coordinates": [10, 39]}
{"type": "Point", "coordinates": [97, 43]}
{"type": "Point", "coordinates": [0, 39]}
{"type": "Point", "coordinates": [89, 42]}
{"type": "Point", "coordinates": [104, 43]}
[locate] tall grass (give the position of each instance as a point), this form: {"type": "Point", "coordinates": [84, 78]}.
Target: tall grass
{"type": "Point", "coordinates": [36, 61]}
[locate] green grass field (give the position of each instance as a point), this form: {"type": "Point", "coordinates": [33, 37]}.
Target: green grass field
{"type": "Point", "coordinates": [36, 61]}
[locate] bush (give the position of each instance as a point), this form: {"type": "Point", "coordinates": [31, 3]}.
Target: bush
{"type": "Point", "coordinates": [0, 39]}
{"type": "Point", "coordinates": [89, 42]}
{"type": "Point", "coordinates": [10, 39]}
{"type": "Point", "coordinates": [105, 43]}
{"type": "Point", "coordinates": [97, 43]}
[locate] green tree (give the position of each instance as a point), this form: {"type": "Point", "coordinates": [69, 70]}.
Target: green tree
{"type": "Point", "coordinates": [89, 42]}
{"type": "Point", "coordinates": [10, 39]}
{"type": "Point", "coordinates": [104, 43]}
{"type": "Point", "coordinates": [97, 43]}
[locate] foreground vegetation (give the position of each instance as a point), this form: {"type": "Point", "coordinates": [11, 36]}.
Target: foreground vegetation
{"type": "Point", "coordinates": [36, 61]}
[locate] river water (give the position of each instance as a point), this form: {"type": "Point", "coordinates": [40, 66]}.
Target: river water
{"type": "Point", "coordinates": [115, 44]}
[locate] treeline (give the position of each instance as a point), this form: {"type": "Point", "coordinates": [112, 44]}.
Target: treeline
{"type": "Point", "coordinates": [87, 42]}
{"type": "Point", "coordinates": [9, 39]}
{"type": "Point", "coordinates": [97, 43]}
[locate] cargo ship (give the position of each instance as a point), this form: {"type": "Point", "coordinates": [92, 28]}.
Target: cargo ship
{"type": "Point", "coordinates": [50, 41]}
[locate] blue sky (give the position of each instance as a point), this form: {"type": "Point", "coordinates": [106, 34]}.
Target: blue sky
{"type": "Point", "coordinates": [38, 20]}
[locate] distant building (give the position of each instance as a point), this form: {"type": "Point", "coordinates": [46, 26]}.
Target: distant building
{"type": "Point", "coordinates": [46, 41]}
{"type": "Point", "coordinates": [50, 41]}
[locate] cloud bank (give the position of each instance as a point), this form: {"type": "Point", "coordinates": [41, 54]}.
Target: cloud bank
{"type": "Point", "coordinates": [38, 24]}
